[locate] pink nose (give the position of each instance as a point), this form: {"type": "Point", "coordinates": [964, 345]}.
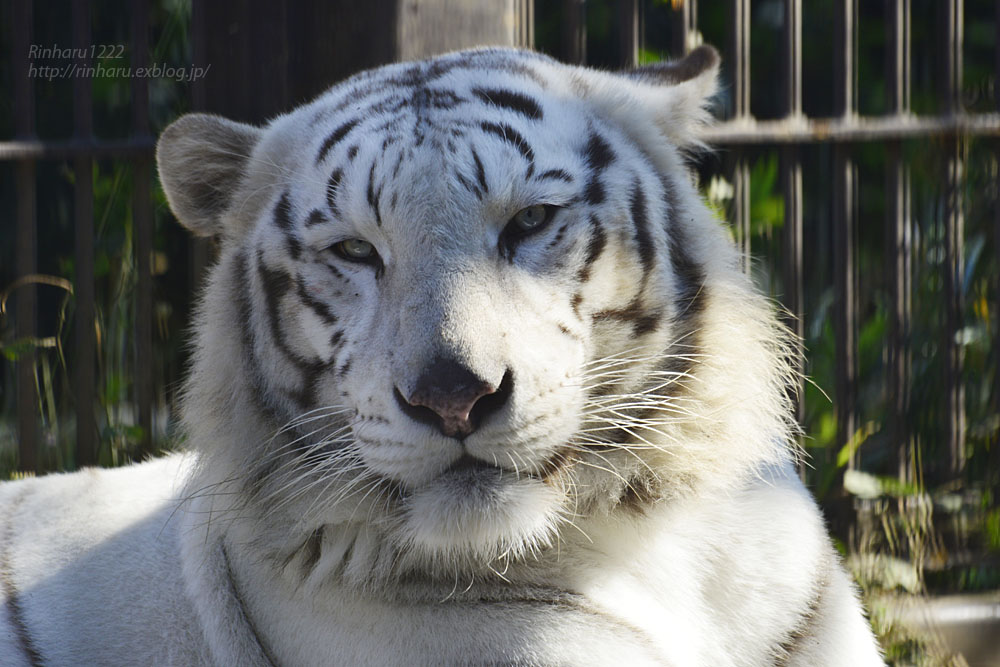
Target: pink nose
{"type": "Point", "coordinates": [451, 397]}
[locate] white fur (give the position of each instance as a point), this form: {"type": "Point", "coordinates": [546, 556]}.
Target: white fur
{"type": "Point", "coordinates": [322, 525]}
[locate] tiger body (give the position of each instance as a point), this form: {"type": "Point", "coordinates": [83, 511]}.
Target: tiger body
{"type": "Point", "coordinates": [477, 380]}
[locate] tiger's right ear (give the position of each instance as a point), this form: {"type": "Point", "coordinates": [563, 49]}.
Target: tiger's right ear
{"type": "Point", "coordinates": [201, 159]}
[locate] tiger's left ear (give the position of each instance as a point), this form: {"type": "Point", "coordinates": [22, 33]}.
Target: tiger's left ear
{"type": "Point", "coordinates": [675, 95]}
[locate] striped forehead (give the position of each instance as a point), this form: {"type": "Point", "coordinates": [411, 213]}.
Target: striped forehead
{"type": "Point", "coordinates": [433, 101]}
{"type": "Point", "coordinates": [420, 125]}
{"type": "Point", "coordinates": [430, 140]}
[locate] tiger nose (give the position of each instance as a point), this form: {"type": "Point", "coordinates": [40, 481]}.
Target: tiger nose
{"type": "Point", "coordinates": [454, 399]}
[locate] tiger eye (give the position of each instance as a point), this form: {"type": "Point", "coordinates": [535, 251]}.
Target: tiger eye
{"type": "Point", "coordinates": [529, 218]}
{"type": "Point", "coordinates": [355, 249]}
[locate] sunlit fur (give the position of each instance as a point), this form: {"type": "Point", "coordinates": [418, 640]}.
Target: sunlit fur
{"type": "Point", "coordinates": [639, 505]}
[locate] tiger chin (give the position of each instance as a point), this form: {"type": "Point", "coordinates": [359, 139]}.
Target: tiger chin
{"type": "Point", "coordinates": [477, 379]}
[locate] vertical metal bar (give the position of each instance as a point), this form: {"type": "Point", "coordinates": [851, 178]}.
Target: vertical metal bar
{"type": "Point", "coordinates": [740, 59]}
{"type": "Point", "coordinates": [574, 31]}
{"type": "Point", "coordinates": [143, 233]}
{"type": "Point", "coordinates": [844, 214]}
{"type": "Point", "coordinates": [951, 80]}
{"type": "Point", "coordinates": [685, 27]}
{"type": "Point", "coordinates": [199, 249]}
{"type": "Point", "coordinates": [24, 128]}
{"type": "Point", "coordinates": [900, 242]}
{"type": "Point", "coordinates": [628, 32]}
{"type": "Point", "coordinates": [791, 176]}
{"type": "Point", "coordinates": [996, 239]}
{"type": "Point", "coordinates": [86, 426]}
{"type": "Point", "coordinates": [791, 51]}
{"type": "Point", "coordinates": [526, 23]}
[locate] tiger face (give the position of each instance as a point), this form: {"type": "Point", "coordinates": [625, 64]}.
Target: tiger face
{"type": "Point", "coordinates": [462, 303]}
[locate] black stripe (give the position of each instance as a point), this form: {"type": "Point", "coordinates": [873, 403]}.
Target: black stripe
{"type": "Point", "coordinates": [690, 275]}
{"type": "Point", "coordinates": [468, 185]}
{"type": "Point", "coordinates": [351, 153]}
{"type": "Point", "coordinates": [261, 651]}
{"type": "Point", "coordinates": [311, 550]}
{"type": "Point", "coordinates": [317, 217]}
{"type": "Point", "coordinates": [512, 136]}
{"type": "Point", "coordinates": [594, 193]}
{"type": "Point", "coordinates": [277, 284]}
{"type": "Point", "coordinates": [598, 155]}
{"type": "Point", "coordinates": [283, 219]}
{"type": "Point", "coordinates": [283, 213]}
{"type": "Point", "coordinates": [595, 246]}
{"type": "Point", "coordinates": [559, 236]}
{"type": "Point", "coordinates": [556, 174]}
{"type": "Point", "coordinates": [480, 172]}
{"type": "Point", "coordinates": [805, 626]}
{"type": "Point", "coordinates": [241, 278]}
{"type": "Point", "coordinates": [373, 195]}
{"type": "Point", "coordinates": [508, 99]}
{"type": "Point", "coordinates": [333, 189]}
{"type": "Point", "coordinates": [691, 299]}
{"type": "Point", "coordinates": [643, 238]}
{"type": "Point", "coordinates": [642, 319]}
{"type": "Point", "coordinates": [12, 595]}
{"type": "Point", "coordinates": [314, 304]}
{"type": "Point", "coordinates": [334, 137]}
{"type": "Point", "coordinates": [334, 270]}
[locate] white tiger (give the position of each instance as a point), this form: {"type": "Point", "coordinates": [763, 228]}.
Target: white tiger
{"type": "Point", "coordinates": [477, 380]}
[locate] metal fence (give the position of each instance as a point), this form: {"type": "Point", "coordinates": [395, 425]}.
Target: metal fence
{"type": "Point", "coordinates": [740, 133]}
{"type": "Point", "coordinates": [25, 149]}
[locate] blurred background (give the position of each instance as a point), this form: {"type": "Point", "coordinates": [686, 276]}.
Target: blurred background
{"type": "Point", "coordinates": [854, 161]}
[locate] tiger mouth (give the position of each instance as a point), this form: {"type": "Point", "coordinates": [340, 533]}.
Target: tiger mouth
{"type": "Point", "coordinates": [470, 465]}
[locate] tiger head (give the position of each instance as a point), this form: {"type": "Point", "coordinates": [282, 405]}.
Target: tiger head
{"type": "Point", "coordinates": [465, 306]}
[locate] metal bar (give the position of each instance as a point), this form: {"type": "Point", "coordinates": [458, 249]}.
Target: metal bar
{"type": "Point", "coordinates": [899, 74]}
{"type": "Point", "coordinates": [791, 179]}
{"type": "Point", "coordinates": [740, 171]}
{"type": "Point", "coordinates": [198, 248]}
{"type": "Point", "coordinates": [732, 133]}
{"type": "Point", "coordinates": [995, 458]}
{"type": "Point", "coordinates": [951, 81]}
{"type": "Point", "coordinates": [844, 216]}
{"type": "Point", "coordinates": [34, 149]}
{"type": "Point", "coordinates": [84, 391]}
{"type": "Point", "coordinates": [526, 37]}
{"type": "Point", "coordinates": [791, 51]}
{"type": "Point", "coordinates": [574, 31]}
{"type": "Point", "coordinates": [628, 33]}
{"type": "Point", "coordinates": [24, 126]}
{"type": "Point", "coordinates": [845, 307]}
{"type": "Point", "coordinates": [900, 270]}
{"type": "Point", "coordinates": [847, 130]}
{"type": "Point", "coordinates": [899, 238]}
{"type": "Point", "coordinates": [143, 233]}
{"type": "Point", "coordinates": [685, 27]}
{"type": "Point", "coordinates": [740, 58]}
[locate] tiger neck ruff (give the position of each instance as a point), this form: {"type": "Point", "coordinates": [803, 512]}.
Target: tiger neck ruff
{"type": "Point", "coordinates": [477, 380]}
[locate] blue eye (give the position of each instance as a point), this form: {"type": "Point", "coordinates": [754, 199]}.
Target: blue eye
{"type": "Point", "coordinates": [524, 223]}
{"type": "Point", "coordinates": [356, 250]}
{"type": "Point", "coordinates": [529, 219]}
